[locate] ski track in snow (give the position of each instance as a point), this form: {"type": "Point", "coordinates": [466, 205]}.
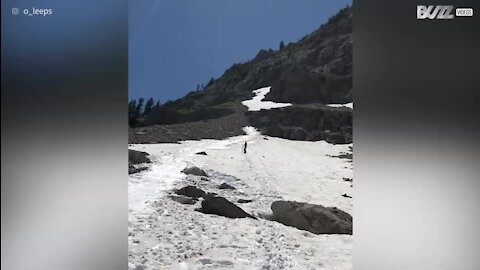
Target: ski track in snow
{"type": "Point", "coordinates": [257, 103]}
{"type": "Point", "coordinates": [164, 234]}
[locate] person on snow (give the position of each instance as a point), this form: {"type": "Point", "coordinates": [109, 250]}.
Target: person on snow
{"type": "Point", "coordinates": [245, 147]}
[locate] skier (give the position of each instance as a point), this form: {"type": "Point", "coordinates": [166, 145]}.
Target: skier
{"type": "Point", "coordinates": [245, 147]}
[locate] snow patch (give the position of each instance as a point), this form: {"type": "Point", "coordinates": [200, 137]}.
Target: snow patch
{"type": "Point", "coordinates": [257, 103]}
{"type": "Point", "coordinates": [348, 105]}
{"type": "Point", "coordinates": [249, 130]}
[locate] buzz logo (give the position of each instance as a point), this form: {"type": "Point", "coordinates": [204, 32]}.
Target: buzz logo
{"type": "Point", "coordinates": [435, 12]}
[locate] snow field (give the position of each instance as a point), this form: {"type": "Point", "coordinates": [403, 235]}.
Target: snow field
{"type": "Point", "coordinates": [164, 234]}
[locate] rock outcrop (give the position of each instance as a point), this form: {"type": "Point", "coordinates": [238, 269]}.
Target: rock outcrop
{"type": "Point", "coordinates": [314, 122]}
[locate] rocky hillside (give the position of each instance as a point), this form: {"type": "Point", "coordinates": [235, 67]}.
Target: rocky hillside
{"type": "Point", "coordinates": [310, 73]}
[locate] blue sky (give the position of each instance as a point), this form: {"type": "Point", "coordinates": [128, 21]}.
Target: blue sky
{"type": "Point", "coordinates": [176, 44]}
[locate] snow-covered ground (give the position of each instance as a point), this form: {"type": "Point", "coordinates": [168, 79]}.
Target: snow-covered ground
{"type": "Point", "coordinates": [164, 234]}
{"type": "Point", "coordinates": [348, 105]}
{"type": "Point", "coordinates": [257, 103]}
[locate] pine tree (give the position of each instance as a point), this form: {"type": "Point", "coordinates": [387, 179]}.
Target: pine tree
{"type": "Point", "coordinates": [131, 108]}
{"type": "Point", "coordinates": [132, 120]}
{"type": "Point", "coordinates": [138, 108]}
{"type": "Point", "coordinates": [210, 82]}
{"type": "Point", "coordinates": [282, 45]}
{"type": "Point", "coordinates": [148, 106]}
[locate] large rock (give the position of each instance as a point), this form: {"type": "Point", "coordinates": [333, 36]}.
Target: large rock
{"type": "Point", "coordinates": [132, 169]}
{"type": "Point", "coordinates": [137, 157]}
{"type": "Point", "coordinates": [314, 218]}
{"type": "Point", "coordinates": [222, 207]}
{"type": "Point", "coordinates": [191, 191]}
{"type": "Point", "coordinates": [194, 171]}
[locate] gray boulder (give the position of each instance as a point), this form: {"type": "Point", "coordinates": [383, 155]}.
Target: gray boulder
{"type": "Point", "coordinates": [132, 169]}
{"type": "Point", "coordinates": [194, 171]}
{"type": "Point", "coordinates": [225, 186]}
{"type": "Point", "coordinates": [191, 191]}
{"type": "Point", "coordinates": [222, 207]}
{"type": "Point", "coordinates": [314, 218]}
{"type": "Point", "coordinates": [137, 157]}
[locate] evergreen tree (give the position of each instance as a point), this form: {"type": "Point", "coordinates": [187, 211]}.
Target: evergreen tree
{"type": "Point", "coordinates": [138, 108]}
{"type": "Point", "coordinates": [148, 106]}
{"type": "Point", "coordinates": [132, 120]}
{"type": "Point", "coordinates": [210, 82]}
{"type": "Point", "coordinates": [131, 108]}
{"type": "Point", "coordinates": [282, 45]}
{"type": "Point", "coordinates": [157, 105]}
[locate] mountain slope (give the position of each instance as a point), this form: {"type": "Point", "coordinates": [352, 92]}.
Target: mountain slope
{"type": "Point", "coordinates": [313, 72]}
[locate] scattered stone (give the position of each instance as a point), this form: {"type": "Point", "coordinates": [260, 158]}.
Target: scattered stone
{"type": "Point", "coordinates": [244, 201]}
{"type": "Point", "coordinates": [314, 218]}
{"type": "Point", "coordinates": [225, 263]}
{"type": "Point", "coordinates": [222, 207]}
{"type": "Point", "coordinates": [194, 171]}
{"type": "Point", "coordinates": [348, 179]}
{"type": "Point", "coordinates": [205, 261]}
{"type": "Point", "coordinates": [183, 199]}
{"type": "Point", "coordinates": [137, 157]}
{"type": "Point", "coordinates": [225, 186]}
{"type": "Point", "coordinates": [191, 191]}
{"type": "Point", "coordinates": [203, 178]}
{"type": "Point", "coordinates": [346, 196]}
{"type": "Point", "coordinates": [203, 153]}
{"type": "Point", "coordinates": [343, 156]}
